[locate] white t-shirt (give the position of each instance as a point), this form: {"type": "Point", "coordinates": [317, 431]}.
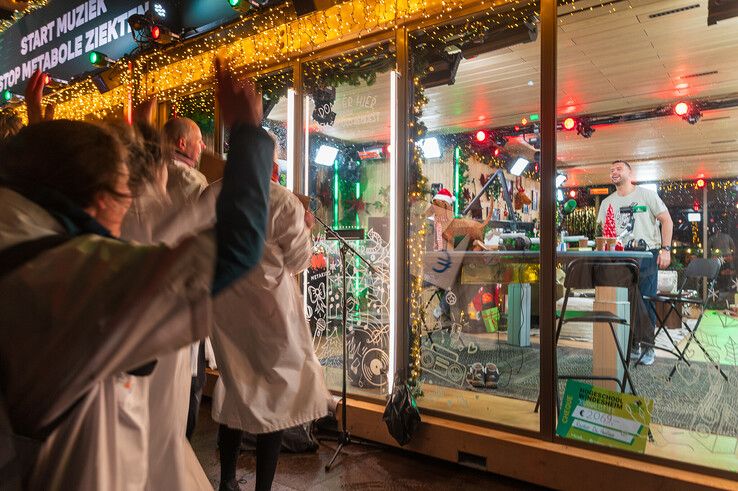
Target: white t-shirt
{"type": "Point", "coordinates": [647, 206]}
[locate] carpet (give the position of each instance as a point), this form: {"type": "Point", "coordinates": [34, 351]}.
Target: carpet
{"type": "Point", "coordinates": [696, 399]}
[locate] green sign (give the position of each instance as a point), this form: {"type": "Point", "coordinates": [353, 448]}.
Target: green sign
{"type": "Point", "coordinates": [596, 415]}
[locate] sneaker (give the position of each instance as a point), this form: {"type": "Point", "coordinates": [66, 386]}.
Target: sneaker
{"type": "Point", "coordinates": [475, 377]}
{"type": "Point", "coordinates": [635, 352]}
{"type": "Point", "coordinates": [648, 357]}
{"type": "Point", "coordinates": [491, 376]}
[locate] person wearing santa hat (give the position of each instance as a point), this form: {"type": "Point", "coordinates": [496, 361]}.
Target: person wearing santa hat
{"type": "Point", "coordinates": [443, 203]}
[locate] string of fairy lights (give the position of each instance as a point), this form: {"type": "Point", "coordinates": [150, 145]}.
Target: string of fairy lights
{"type": "Point", "coordinates": [257, 43]}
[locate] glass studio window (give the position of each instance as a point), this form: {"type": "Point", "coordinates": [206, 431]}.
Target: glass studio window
{"type": "Point", "coordinates": [474, 203]}
{"type": "Point", "coordinates": [347, 171]}
{"type": "Point", "coordinates": [663, 100]}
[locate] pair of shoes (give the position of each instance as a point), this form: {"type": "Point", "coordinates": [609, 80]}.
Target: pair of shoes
{"type": "Point", "coordinates": [483, 376]}
{"type": "Point", "coordinates": [491, 376]}
{"type": "Point", "coordinates": [648, 357]}
{"type": "Point", "coordinates": [475, 377]}
{"type": "Point", "coordinates": [231, 485]}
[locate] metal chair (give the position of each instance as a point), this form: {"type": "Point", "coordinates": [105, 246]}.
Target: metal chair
{"type": "Point", "coordinates": [697, 270]}
{"type": "Point", "coordinates": [587, 273]}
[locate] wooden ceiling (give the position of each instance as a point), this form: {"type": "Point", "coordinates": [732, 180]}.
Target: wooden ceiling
{"type": "Point", "coordinates": [611, 59]}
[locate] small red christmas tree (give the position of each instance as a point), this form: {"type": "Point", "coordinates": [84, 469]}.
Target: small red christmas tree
{"type": "Point", "coordinates": [609, 229]}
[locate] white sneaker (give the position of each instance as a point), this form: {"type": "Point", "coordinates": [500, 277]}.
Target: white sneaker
{"type": "Point", "coordinates": [648, 357]}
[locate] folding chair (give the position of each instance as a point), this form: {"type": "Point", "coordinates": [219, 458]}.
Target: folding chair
{"type": "Point", "coordinates": [587, 273]}
{"type": "Point", "coordinates": [697, 269]}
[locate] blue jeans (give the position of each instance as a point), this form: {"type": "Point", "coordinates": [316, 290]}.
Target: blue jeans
{"type": "Point", "coordinates": [647, 283]}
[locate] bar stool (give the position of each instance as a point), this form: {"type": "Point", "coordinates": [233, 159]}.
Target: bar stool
{"type": "Point", "coordinates": [588, 273]}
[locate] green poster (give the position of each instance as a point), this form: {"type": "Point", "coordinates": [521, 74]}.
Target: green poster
{"type": "Point", "coordinates": [596, 415]}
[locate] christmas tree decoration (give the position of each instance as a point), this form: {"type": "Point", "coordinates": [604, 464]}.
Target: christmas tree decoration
{"type": "Point", "coordinates": [608, 230]}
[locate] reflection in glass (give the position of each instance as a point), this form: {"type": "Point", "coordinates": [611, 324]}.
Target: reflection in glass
{"type": "Point", "coordinates": [669, 110]}
{"type": "Point", "coordinates": [472, 237]}
{"type": "Point", "coordinates": [347, 167]}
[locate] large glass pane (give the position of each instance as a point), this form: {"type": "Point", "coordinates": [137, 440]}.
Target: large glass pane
{"type": "Point", "coordinates": [474, 208]}
{"type": "Point", "coordinates": [648, 156]}
{"type": "Point", "coordinates": [347, 112]}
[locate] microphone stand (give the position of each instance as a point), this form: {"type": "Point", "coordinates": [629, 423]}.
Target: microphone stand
{"type": "Point", "coordinates": [344, 438]}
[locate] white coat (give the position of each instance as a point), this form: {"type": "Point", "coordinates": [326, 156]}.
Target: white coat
{"type": "Point", "coordinates": [169, 460]}
{"type": "Point", "coordinates": [100, 307]}
{"type": "Point", "coordinates": [270, 378]}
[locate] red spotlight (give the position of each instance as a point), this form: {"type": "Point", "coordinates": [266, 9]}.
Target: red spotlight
{"type": "Point", "coordinates": [573, 193]}
{"type": "Point", "coordinates": [696, 205]}
{"type": "Point", "coordinates": [569, 124]}
{"type": "Point", "coordinates": [516, 128]}
{"type": "Point", "coordinates": [681, 109]}
{"type": "Point", "coordinates": [497, 152]}
{"type": "Point", "coordinates": [481, 136]}
{"type": "Point", "coordinates": [155, 32]}
{"type": "Point", "coordinates": [47, 79]}
{"type": "Point", "coordinates": [700, 183]}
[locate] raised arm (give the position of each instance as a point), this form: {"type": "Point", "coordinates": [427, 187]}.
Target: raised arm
{"type": "Point", "coordinates": [242, 206]}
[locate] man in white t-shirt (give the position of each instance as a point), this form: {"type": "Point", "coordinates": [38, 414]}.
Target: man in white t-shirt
{"type": "Point", "coordinates": [640, 215]}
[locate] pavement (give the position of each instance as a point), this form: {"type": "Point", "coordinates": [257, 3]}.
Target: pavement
{"type": "Point", "coordinates": [360, 467]}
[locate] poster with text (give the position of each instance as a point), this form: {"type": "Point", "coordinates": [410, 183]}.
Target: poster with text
{"type": "Point", "coordinates": [604, 417]}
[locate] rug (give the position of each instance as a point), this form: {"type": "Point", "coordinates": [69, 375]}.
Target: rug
{"type": "Point", "coordinates": [695, 399]}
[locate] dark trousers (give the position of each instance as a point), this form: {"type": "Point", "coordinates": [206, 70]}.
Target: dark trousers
{"type": "Point", "coordinates": [267, 455]}
{"type": "Point", "coordinates": [644, 316]}
{"type": "Point", "coordinates": [196, 391]}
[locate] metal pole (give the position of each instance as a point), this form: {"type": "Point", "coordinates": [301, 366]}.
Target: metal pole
{"type": "Point", "coordinates": [704, 238]}
{"type": "Point", "coordinates": [297, 127]}
{"type": "Point", "coordinates": [548, 201]}
{"type": "Point", "coordinates": [400, 281]}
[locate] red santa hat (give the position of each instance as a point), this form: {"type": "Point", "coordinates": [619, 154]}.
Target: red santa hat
{"type": "Point", "coordinates": [444, 195]}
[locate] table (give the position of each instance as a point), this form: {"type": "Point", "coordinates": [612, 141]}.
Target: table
{"type": "Point", "coordinates": [605, 360]}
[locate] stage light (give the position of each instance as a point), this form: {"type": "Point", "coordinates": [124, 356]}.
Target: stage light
{"type": "Point", "coordinates": [10, 98]}
{"type": "Point", "coordinates": [570, 124]}
{"type": "Point", "coordinates": [694, 217]}
{"type": "Point", "coordinates": [163, 35]}
{"type": "Point", "coordinates": [560, 178]}
{"type": "Point", "coordinates": [700, 183]}
{"type": "Point", "coordinates": [519, 166]}
{"type": "Point", "coordinates": [54, 83]}
{"type": "Point", "coordinates": [239, 6]}
{"type": "Point", "coordinates": [326, 155]}
{"type": "Point", "coordinates": [160, 11]}
{"type": "Point", "coordinates": [696, 205]}
{"type": "Point", "coordinates": [100, 60]}
{"type": "Point", "coordinates": [138, 22]}
{"type": "Point", "coordinates": [430, 147]}
{"type": "Point", "coordinates": [573, 193]}
{"type": "Point", "coordinates": [481, 136]}
{"type": "Point", "coordinates": [585, 129]}
{"type": "Point", "coordinates": [689, 112]}
{"type": "Point", "coordinates": [496, 152]}
{"type": "Point", "coordinates": [681, 109]}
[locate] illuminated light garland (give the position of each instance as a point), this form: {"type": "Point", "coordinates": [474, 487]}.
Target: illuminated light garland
{"type": "Point", "coordinates": [19, 14]}
{"type": "Point", "coordinates": [277, 37]}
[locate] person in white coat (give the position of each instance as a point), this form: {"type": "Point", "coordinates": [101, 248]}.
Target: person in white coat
{"type": "Point", "coordinates": [82, 307]}
{"type": "Point", "coordinates": [185, 185]}
{"type": "Point", "coordinates": [270, 378]}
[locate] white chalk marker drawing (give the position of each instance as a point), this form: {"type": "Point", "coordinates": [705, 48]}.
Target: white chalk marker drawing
{"type": "Point", "coordinates": [443, 363]}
